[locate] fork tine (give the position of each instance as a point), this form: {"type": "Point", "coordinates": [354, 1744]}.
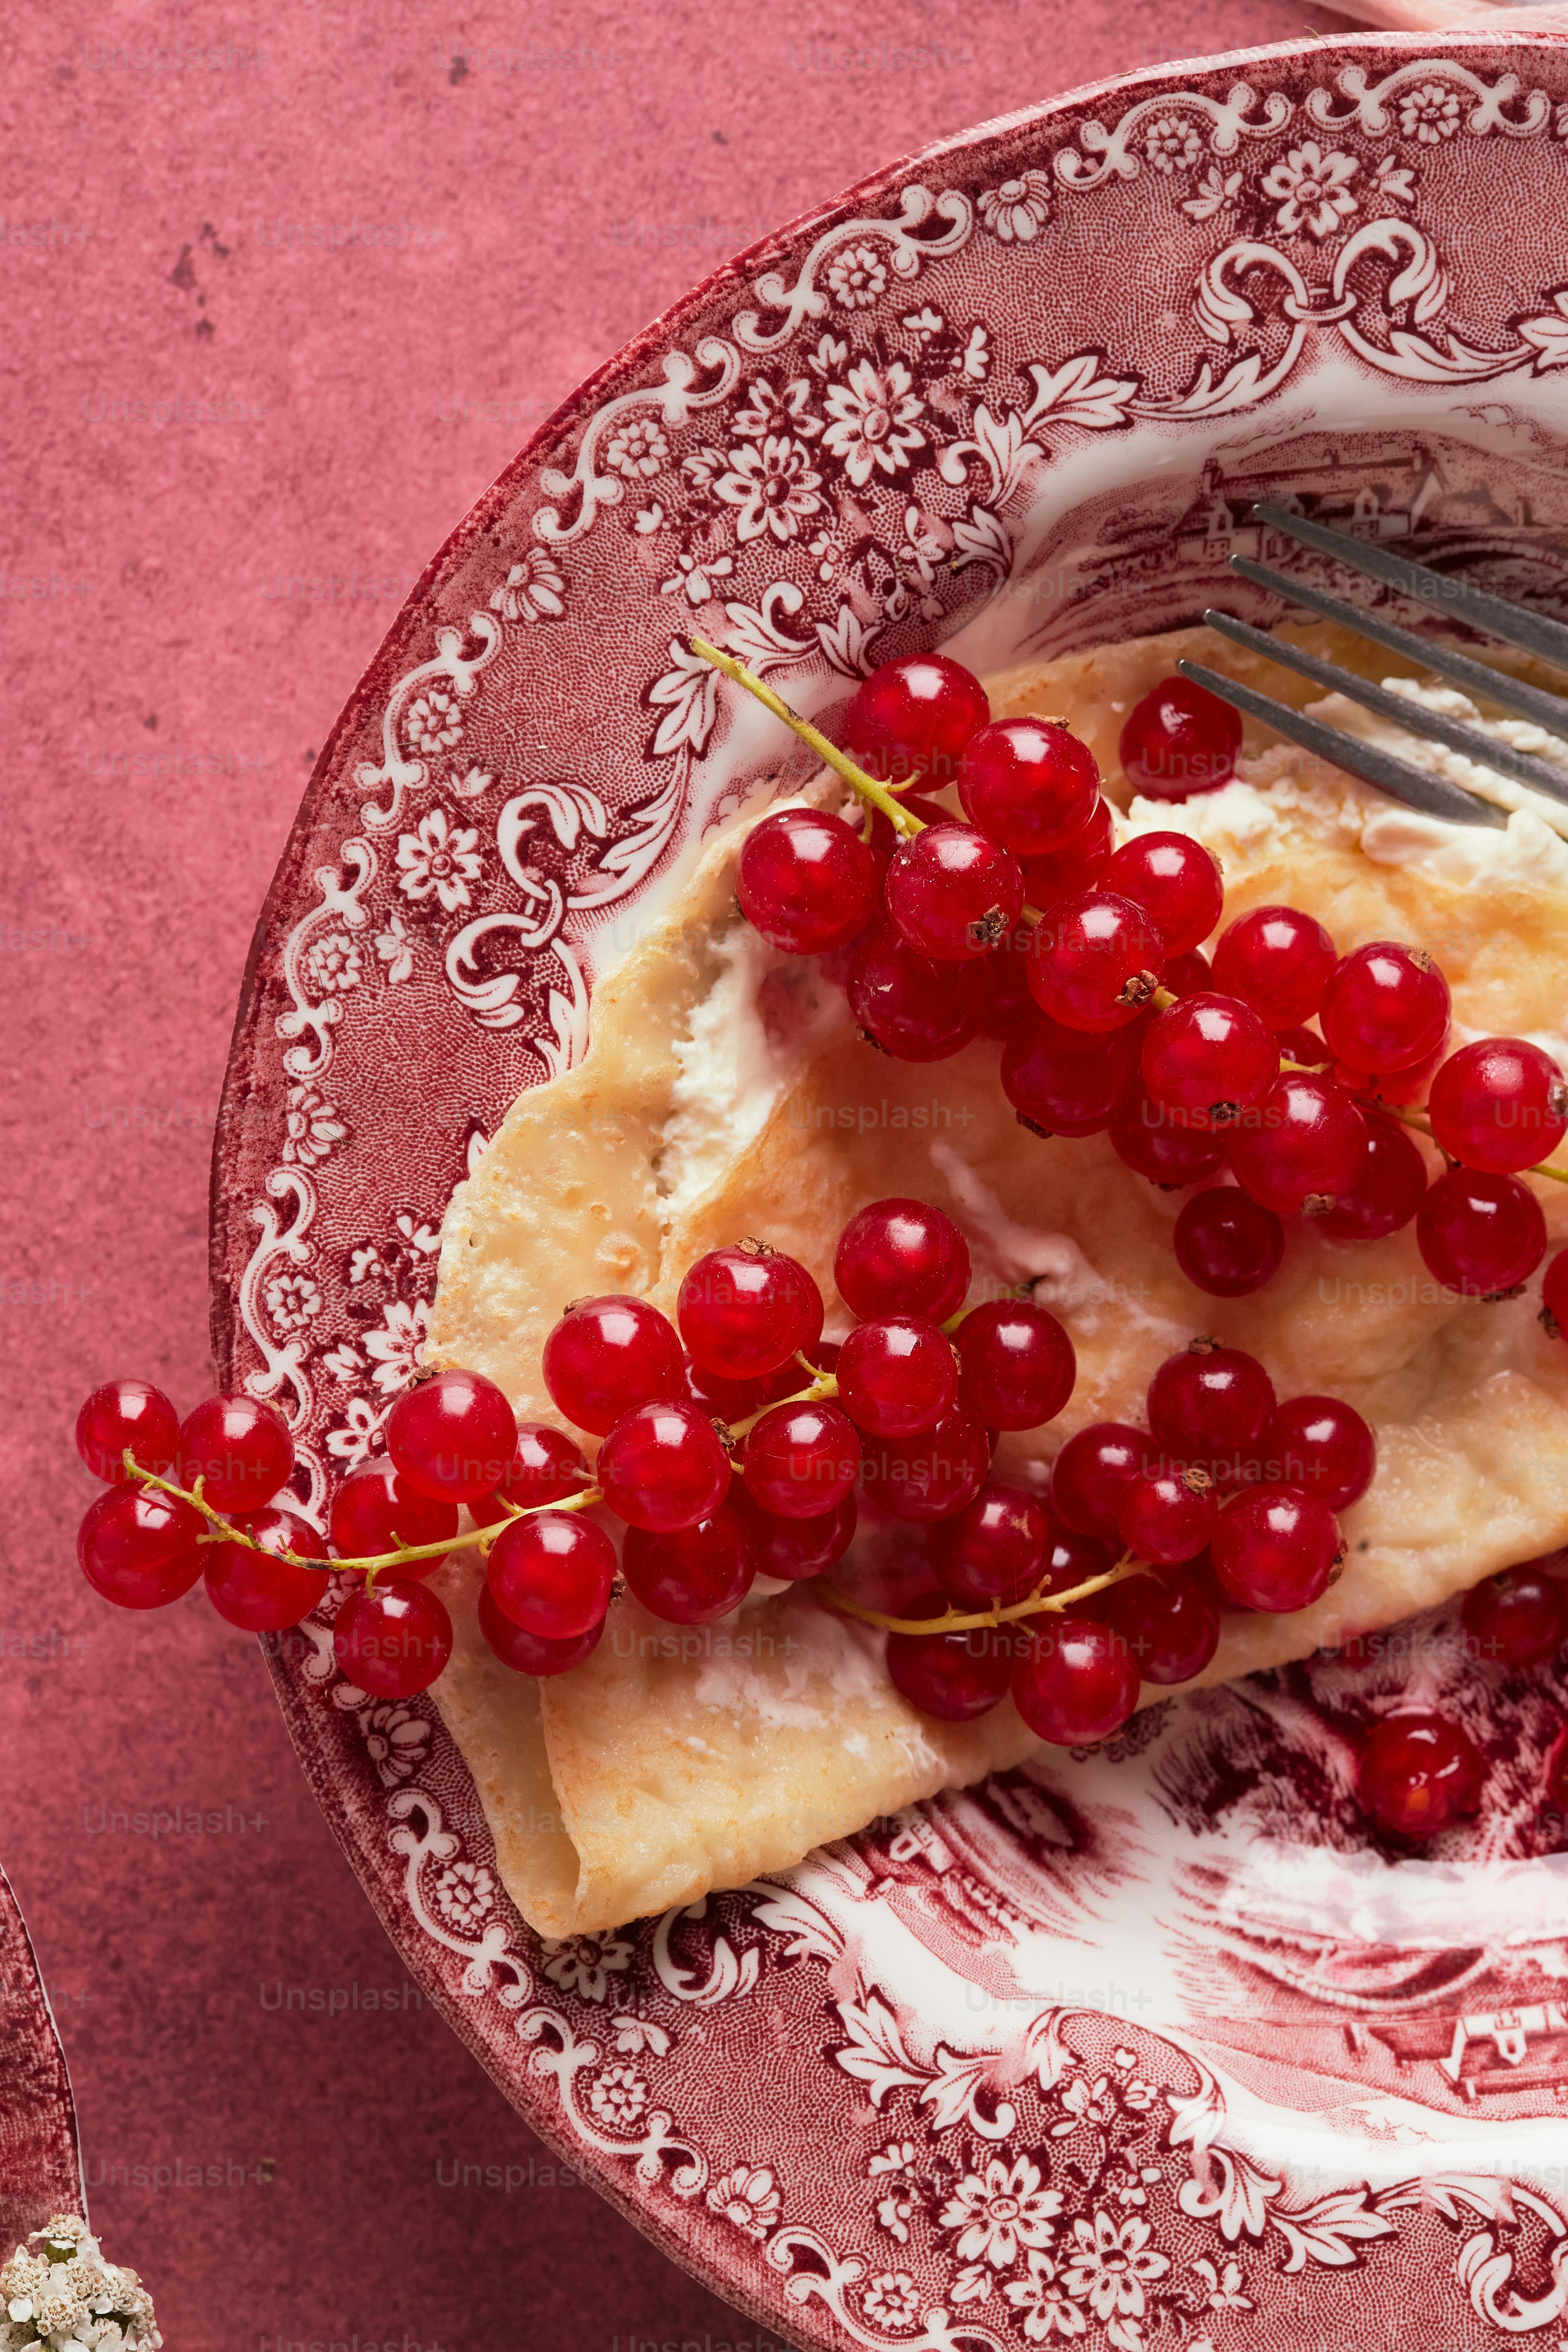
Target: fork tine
{"type": "Point", "coordinates": [1529, 701]}
{"type": "Point", "coordinates": [1532, 633]}
{"type": "Point", "coordinates": [1501, 758]}
{"type": "Point", "coordinates": [1433, 795]}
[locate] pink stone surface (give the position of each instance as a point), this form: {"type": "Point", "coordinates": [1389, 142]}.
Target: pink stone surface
{"type": "Point", "coordinates": [282, 293]}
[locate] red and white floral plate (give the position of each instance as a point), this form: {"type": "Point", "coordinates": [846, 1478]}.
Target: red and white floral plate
{"type": "Point", "coordinates": [1146, 2048]}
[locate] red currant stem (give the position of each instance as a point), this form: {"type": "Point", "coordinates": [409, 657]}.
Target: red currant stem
{"type": "Point", "coordinates": [899, 818]}
{"type": "Point", "coordinates": [371, 1564]}
{"type": "Point", "coordinates": [822, 1385]}
{"type": "Point", "coordinates": [956, 1621]}
{"type": "Point", "coordinates": [1422, 1125]}
{"type": "Point", "coordinates": [1162, 998]}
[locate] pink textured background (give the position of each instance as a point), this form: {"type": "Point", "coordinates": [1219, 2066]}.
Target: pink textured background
{"type": "Point", "coordinates": [282, 292]}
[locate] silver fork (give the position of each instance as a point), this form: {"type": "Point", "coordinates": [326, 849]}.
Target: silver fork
{"type": "Point", "coordinates": [1531, 633]}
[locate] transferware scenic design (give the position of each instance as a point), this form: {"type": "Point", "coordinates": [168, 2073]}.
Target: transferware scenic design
{"type": "Point", "coordinates": [1103, 2051]}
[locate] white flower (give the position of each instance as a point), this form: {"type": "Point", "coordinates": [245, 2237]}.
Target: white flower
{"type": "Point", "coordinates": [395, 949]}
{"type": "Point", "coordinates": [873, 413]}
{"type": "Point", "coordinates": [440, 858]}
{"type": "Point", "coordinates": [534, 590]}
{"type": "Point", "coordinates": [1314, 189]}
{"type": "Point", "coordinates": [1089, 2102]}
{"type": "Point", "coordinates": [617, 2097]}
{"type": "Point", "coordinates": [364, 1265]}
{"type": "Point", "coordinates": [434, 723]}
{"type": "Point", "coordinates": [638, 450]}
{"type": "Point", "coordinates": [923, 324]}
{"type": "Point", "coordinates": [768, 411]}
{"type": "Point", "coordinates": [395, 1349]}
{"type": "Point", "coordinates": [464, 1893]}
{"type": "Point", "coordinates": [633, 2035]}
{"type": "Point", "coordinates": [1216, 190]}
{"type": "Point", "coordinates": [292, 1300]}
{"type": "Point", "coordinates": [1112, 2265]}
{"type": "Point", "coordinates": [69, 2298]}
{"type": "Point", "coordinates": [829, 355]}
{"type": "Point", "coordinates": [696, 577]}
{"type": "Point", "coordinates": [747, 2198]}
{"type": "Point", "coordinates": [774, 487]}
{"type": "Point", "coordinates": [344, 1361]}
{"type": "Point", "coordinates": [584, 1964]}
{"type": "Point", "coordinates": [897, 2156]}
{"type": "Point", "coordinates": [702, 467]}
{"type": "Point", "coordinates": [857, 275]}
{"type": "Point", "coordinates": [395, 1740]}
{"type": "Point", "coordinates": [1429, 112]}
{"type": "Point", "coordinates": [890, 2300]}
{"type": "Point", "coordinates": [310, 1127]}
{"type": "Point", "coordinates": [894, 2213]}
{"type": "Point", "coordinates": [352, 1441]}
{"type": "Point", "coordinates": [1046, 2310]}
{"type": "Point", "coordinates": [422, 1237]}
{"type": "Point", "coordinates": [333, 964]}
{"type": "Point", "coordinates": [975, 364]}
{"type": "Point", "coordinates": [1172, 145]}
{"type": "Point", "coordinates": [1000, 2212]}
{"type": "Point", "coordinates": [1225, 2293]}
{"type": "Point", "coordinates": [1395, 181]}
{"type": "Point", "coordinates": [1018, 209]}
{"type": "Point", "coordinates": [648, 519]}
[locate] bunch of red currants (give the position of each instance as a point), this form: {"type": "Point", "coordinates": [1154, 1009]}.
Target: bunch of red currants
{"type": "Point", "coordinates": [1026, 925]}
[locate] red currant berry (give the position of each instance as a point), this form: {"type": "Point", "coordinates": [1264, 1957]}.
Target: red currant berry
{"type": "Point", "coordinates": [732, 1401]}
{"type": "Point", "coordinates": [1072, 1559]}
{"type": "Point", "coordinates": [744, 1311]}
{"type": "Point", "coordinates": [793, 1550]}
{"type": "Point", "coordinates": [897, 1377]}
{"type": "Point", "coordinates": [1076, 1683]}
{"type": "Point", "coordinates": [1400, 1087]}
{"type": "Point", "coordinates": [546, 1466]}
{"type": "Point", "coordinates": [525, 1653]}
{"type": "Point", "coordinates": [1499, 1104]}
{"type": "Point", "coordinates": [1418, 1773]}
{"type": "Point", "coordinates": [1306, 1046]}
{"type": "Point", "coordinates": [1188, 975]}
{"type": "Point", "coordinates": [1300, 1147]}
{"type": "Point", "coordinates": [1092, 1472]}
{"type": "Point", "coordinates": [912, 718]}
{"type": "Point", "coordinates": [1094, 961]}
{"type": "Point", "coordinates": [1554, 1296]}
{"type": "Point", "coordinates": [662, 1467]}
{"type": "Point", "coordinates": [695, 1575]}
{"type": "Point", "coordinates": [1077, 865]}
{"type": "Point", "coordinates": [1228, 1243]}
{"type": "Point", "coordinates": [885, 841]}
{"type": "Point", "coordinates": [801, 1460]}
{"type": "Point", "coordinates": [1146, 1137]}
{"type": "Point", "coordinates": [993, 1550]}
{"type": "Point", "coordinates": [127, 1414]}
{"type": "Point", "coordinates": [1519, 1618]}
{"type": "Point", "coordinates": [1482, 1235]}
{"type": "Point", "coordinates": [1208, 1402]}
{"type": "Point", "coordinates": [953, 894]}
{"type": "Point", "coordinates": [377, 1508]}
{"type": "Point", "coordinates": [259, 1591]}
{"type": "Point", "coordinates": [1385, 1006]}
{"type": "Point", "coordinates": [932, 1476]}
{"type": "Point", "coordinates": [1007, 975]}
{"type": "Point", "coordinates": [1322, 1445]}
{"type": "Point", "coordinates": [393, 1638]}
{"type": "Point", "coordinates": [1169, 1625]}
{"type": "Point", "coordinates": [901, 1258]}
{"type": "Point", "coordinates": [807, 881]}
{"type": "Point", "coordinates": [453, 1436]}
{"type": "Point", "coordinates": [239, 1448]}
{"type": "Point", "coordinates": [914, 1008]}
{"type": "Point", "coordinates": [1174, 880]}
{"type": "Point", "coordinates": [1276, 960]}
{"type": "Point", "coordinates": [607, 1355]}
{"type": "Point", "coordinates": [1180, 739]}
{"type": "Point", "coordinates": [138, 1549]}
{"type": "Point", "coordinates": [1275, 1549]}
{"type": "Point", "coordinates": [551, 1574]}
{"type": "Point", "coordinates": [1387, 1189]}
{"type": "Point", "coordinates": [1018, 1365]}
{"type": "Point", "coordinates": [1166, 1514]}
{"type": "Point", "coordinates": [1061, 1081]}
{"type": "Point", "coordinates": [1029, 784]}
{"type": "Point", "coordinates": [953, 1677]}
{"type": "Point", "coordinates": [1209, 1057]}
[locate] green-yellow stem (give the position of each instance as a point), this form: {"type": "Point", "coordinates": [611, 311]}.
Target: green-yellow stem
{"type": "Point", "coordinates": [956, 1621]}
{"type": "Point", "coordinates": [823, 1384]}
{"type": "Point", "coordinates": [1423, 1126]}
{"type": "Point", "coordinates": [901, 819]}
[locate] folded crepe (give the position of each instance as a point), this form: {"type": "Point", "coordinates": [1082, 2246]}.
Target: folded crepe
{"type": "Point", "coordinates": [724, 1094]}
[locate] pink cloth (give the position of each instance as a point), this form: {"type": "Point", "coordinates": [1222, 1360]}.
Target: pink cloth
{"type": "Point", "coordinates": [284, 290]}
